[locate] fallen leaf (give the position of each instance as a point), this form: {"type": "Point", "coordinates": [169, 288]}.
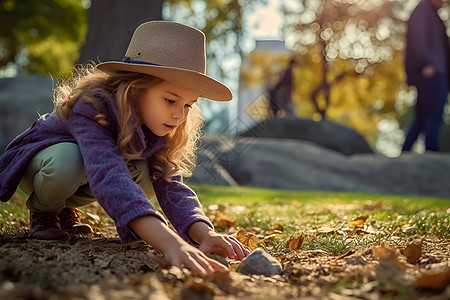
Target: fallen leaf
{"type": "Point", "coordinates": [441, 237]}
{"type": "Point", "coordinates": [281, 258]}
{"type": "Point", "coordinates": [313, 237]}
{"type": "Point", "coordinates": [254, 230]}
{"type": "Point", "coordinates": [387, 254]}
{"type": "Point", "coordinates": [278, 227]}
{"type": "Point", "coordinates": [222, 221]}
{"type": "Point", "coordinates": [93, 217]}
{"type": "Point", "coordinates": [371, 206]}
{"type": "Point", "coordinates": [326, 229]}
{"type": "Point", "coordinates": [437, 281]}
{"type": "Point", "coordinates": [407, 229]}
{"type": "Point", "coordinates": [278, 201]}
{"type": "Point", "coordinates": [359, 221]}
{"type": "Point", "coordinates": [413, 251]}
{"type": "Point", "coordinates": [295, 243]}
{"type": "Point", "coordinates": [247, 239]}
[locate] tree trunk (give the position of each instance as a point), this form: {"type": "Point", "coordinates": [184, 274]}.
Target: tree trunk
{"type": "Point", "coordinates": [111, 24]}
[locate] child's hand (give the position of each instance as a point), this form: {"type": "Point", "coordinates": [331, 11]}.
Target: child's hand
{"type": "Point", "coordinates": [223, 245]}
{"type": "Point", "coordinates": [176, 251]}
{"type": "Point", "coordinates": [189, 257]}
{"type": "Point", "coordinates": [210, 241]}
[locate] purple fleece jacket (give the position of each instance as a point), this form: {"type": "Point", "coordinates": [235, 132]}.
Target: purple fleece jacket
{"type": "Point", "coordinates": [107, 172]}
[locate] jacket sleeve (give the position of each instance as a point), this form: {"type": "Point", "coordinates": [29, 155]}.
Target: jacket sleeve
{"type": "Point", "coordinates": [107, 172]}
{"type": "Point", "coordinates": [418, 31]}
{"type": "Point", "coordinates": [424, 36]}
{"type": "Point", "coordinates": [180, 204]}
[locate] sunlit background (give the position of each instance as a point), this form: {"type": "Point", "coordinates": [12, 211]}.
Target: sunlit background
{"type": "Point", "coordinates": [349, 57]}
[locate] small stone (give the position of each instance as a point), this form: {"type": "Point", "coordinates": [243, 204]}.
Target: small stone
{"type": "Point", "coordinates": [259, 262]}
{"type": "Point", "coordinates": [218, 258]}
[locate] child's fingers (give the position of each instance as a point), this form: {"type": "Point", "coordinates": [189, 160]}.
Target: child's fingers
{"type": "Point", "coordinates": [197, 266]}
{"type": "Point", "coordinates": [239, 249]}
{"type": "Point", "coordinates": [234, 248]}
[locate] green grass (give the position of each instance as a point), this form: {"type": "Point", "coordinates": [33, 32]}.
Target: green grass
{"type": "Point", "coordinates": [390, 218]}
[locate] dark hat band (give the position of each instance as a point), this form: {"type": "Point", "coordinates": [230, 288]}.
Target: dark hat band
{"type": "Point", "coordinates": [127, 59]}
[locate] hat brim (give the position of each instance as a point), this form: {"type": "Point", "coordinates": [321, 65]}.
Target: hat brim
{"type": "Point", "coordinates": [200, 83]}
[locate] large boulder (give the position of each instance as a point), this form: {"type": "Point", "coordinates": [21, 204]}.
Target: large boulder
{"type": "Point", "coordinates": [302, 165]}
{"type": "Point", "coordinates": [22, 100]}
{"type": "Point", "coordinates": [325, 133]}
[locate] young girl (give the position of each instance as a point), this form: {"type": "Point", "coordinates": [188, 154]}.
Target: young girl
{"type": "Point", "coordinates": [120, 133]}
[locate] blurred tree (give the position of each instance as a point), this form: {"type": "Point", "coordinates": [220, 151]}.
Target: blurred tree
{"type": "Point", "coordinates": [221, 21]}
{"type": "Point", "coordinates": [351, 59]}
{"type": "Point", "coordinates": [42, 36]}
{"type": "Point", "coordinates": [111, 24]}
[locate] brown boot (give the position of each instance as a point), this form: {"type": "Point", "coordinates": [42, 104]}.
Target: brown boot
{"type": "Point", "coordinates": [45, 226]}
{"type": "Point", "coordinates": [71, 222]}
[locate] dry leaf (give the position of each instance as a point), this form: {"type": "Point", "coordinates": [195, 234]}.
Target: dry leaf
{"type": "Point", "coordinates": [389, 254]}
{"type": "Point", "coordinates": [279, 202]}
{"type": "Point", "coordinates": [93, 217]}
{"type": "Point", "coordinates": [438, 281]}
{"type": "Point", "coordinates": [282, 258]}
{"type": "Point", "coordinates": [326, 229]}
{"type": "Point", "coordinates": [295, 243]}
{"type": "Point", "coordinates": [359, 221]}
{"type": "Point", "coordinates": [413, 251]}
{"type": "Point", "coordinates": [247, 239]}
{"type": "Point", "coordinates": [278, 227]}
{"type": "Point", "coordinates": [371, 206]}
{"type": "Point", "coordinates": [439, 235]}
{"type": "Point", "coordinates": [222, 221]}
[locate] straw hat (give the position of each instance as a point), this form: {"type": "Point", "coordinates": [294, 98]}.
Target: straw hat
{"type": "Point", "coordinates": [173, 52]}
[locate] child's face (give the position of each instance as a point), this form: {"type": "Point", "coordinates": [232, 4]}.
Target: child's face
{"type": "Point", "coordinates": [164, 106]}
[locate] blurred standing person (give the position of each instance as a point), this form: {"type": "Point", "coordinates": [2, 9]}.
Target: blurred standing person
{"type": "Point", "coordinates": [280, 102]}
{"type": "Point", "coordinates": [427, 62]}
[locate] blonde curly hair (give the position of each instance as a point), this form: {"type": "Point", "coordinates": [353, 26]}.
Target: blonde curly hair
{"type": "Point", "coordinates": [88, 84]}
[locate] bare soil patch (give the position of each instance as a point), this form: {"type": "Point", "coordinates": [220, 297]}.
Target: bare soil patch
{"type": "Point", "coordinates": [101, 267]}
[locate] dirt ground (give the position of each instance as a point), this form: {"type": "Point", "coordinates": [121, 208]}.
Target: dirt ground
{"type": "Point", "coordinates": [101, 267]}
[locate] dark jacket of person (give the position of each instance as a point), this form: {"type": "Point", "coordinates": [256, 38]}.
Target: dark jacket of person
{"type": "Point", "coordinates": [427, 43]}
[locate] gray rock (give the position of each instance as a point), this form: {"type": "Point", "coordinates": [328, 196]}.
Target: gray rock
{"type": "Point", "coordinates": [210, 171]}
{"type": "Point", "coordinates": [259, 262]}
{"type": "Point", "coordinates": [218, 258]}
{"type": "Point", "coordinates": [324, 133]}
{"type": "Point", "coordinates": [302, 165]}
{"type": "Point", "coordinates": [22, 100]}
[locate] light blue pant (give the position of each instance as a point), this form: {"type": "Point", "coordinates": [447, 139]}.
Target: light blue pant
{"type": "Point", "coordinates": [56, 178]}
